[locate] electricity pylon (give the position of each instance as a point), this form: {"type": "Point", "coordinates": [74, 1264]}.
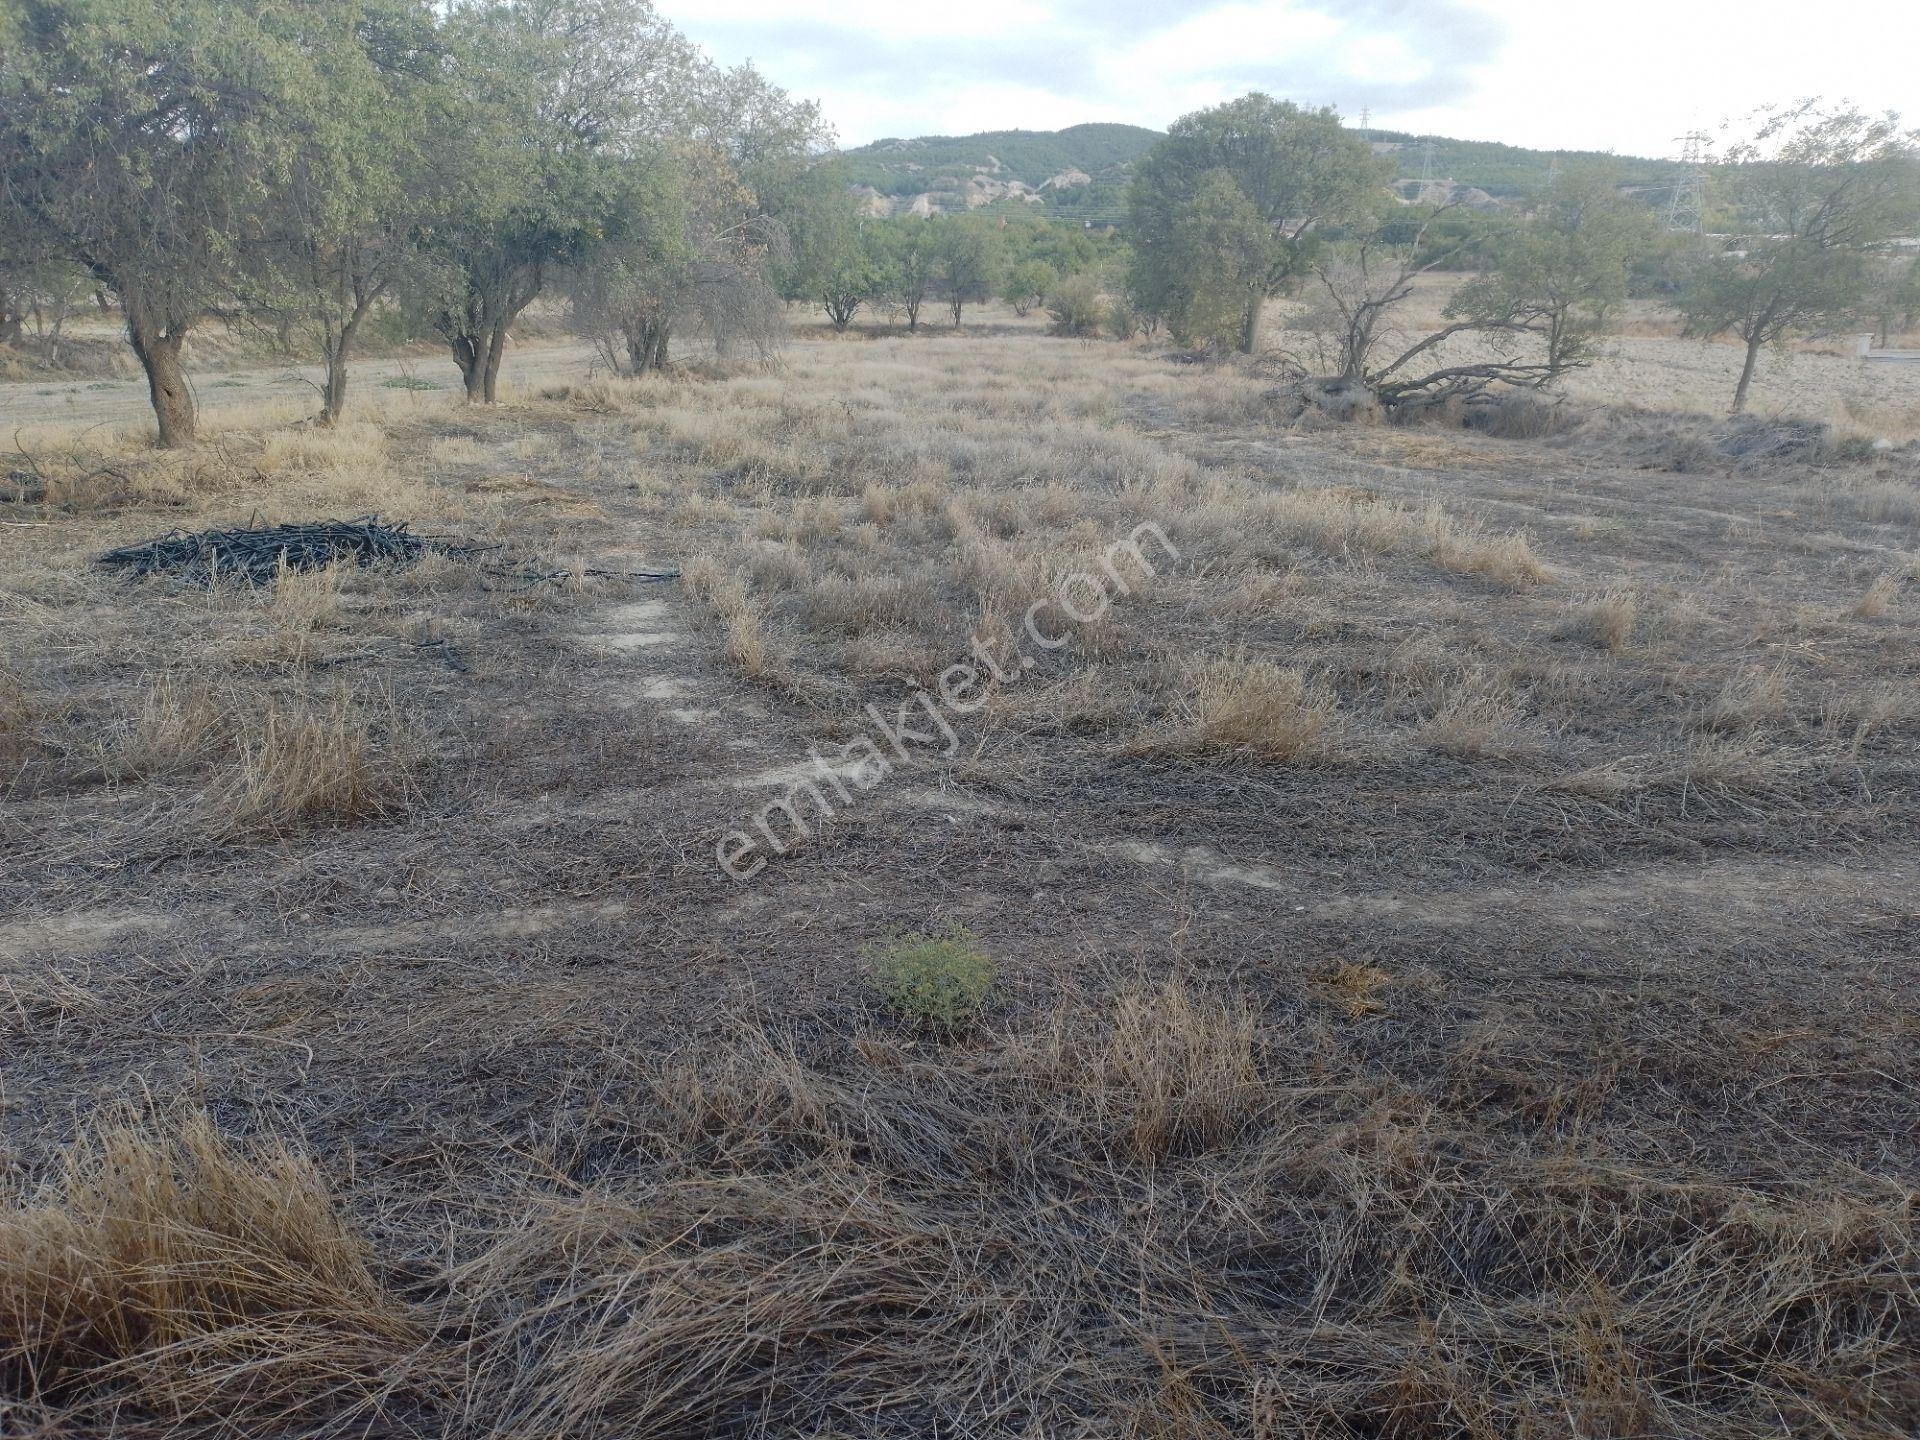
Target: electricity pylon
{"type": "Point", "coordinates": [1690, 189]}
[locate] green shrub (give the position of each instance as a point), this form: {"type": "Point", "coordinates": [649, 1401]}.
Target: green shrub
{"type": "Point", "coordinates": [1076, 307]}
{"type": "Point", "coordinates": [940, 979]}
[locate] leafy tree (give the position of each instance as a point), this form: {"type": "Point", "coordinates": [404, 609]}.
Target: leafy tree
{"type": "Point", "coordinates": [833, 258]}
{"type": "Point", "coordinates": [700, 220]}
{"type": "Point", "coordinates": [835, 264]}
{"type": "Point", "coordinates": [1560, 272]}
{"type": "Point", "coordinates": [547, 101]}
{"type": "Point", "coordinates": [1895, 296]}
{"type": "Point", "coordinates": [627, 296]}
{"type": "Point", "coordinates": [143, 140]}
{"type": "Point", "coordinates": [1028, 284]}
{"type": "Point", "coordinates": [1225, 245]}
{"type": "Point", "coordinates": [342, 235]}
{"type": "Point", "coordinates": [1299, 172]}
{"type": "Point", "coordinates": [41, 297]}
{"type": "Point", "coordinates": [969, 263]}
{"type": "Point", "coordinates": [1823, 191]}
{"type": "Point", "coordinates": [907, 263]}
{"type": "Point", "coordinates": [1076, 307]}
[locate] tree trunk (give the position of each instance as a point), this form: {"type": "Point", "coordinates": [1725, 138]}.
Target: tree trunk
{"type": "Point", "coordinates": [496, 347]}
{"type": "Point", "coordinates": [467, 355]}
{"type": "Point", "coordinates": [338, 345]}
{"type": "Point", "coordinates": [647, 346]}
{"type": "Point", "coordinates": [1250, 335]}
{"type": "Point", "coordinates": [333, 399]}
{"type": "Point", "coordinates": [159, 356]}
{"type": "Point", "coordinates": [1746, 376]}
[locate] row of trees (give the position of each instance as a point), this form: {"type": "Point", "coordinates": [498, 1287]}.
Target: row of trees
{"type": "Point", "coordinates": [309, 167]}
{"type": "Point", "coordinates": [1260, 198]}
{"type": "Point", "coordinates": [900, 265]}
{"type": "Point", "coordinates": [305, 166]}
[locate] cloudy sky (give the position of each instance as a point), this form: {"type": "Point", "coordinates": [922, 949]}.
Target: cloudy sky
{"type": "Point", "coordinates": [1624, 75]}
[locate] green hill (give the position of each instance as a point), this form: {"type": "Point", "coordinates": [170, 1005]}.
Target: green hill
{"type": "Point", "coordinates": [942, 166]}
{"type": "Point", "coordinates": [908, 167]}
{"type": "Point", "coordinates": [1503, 170]}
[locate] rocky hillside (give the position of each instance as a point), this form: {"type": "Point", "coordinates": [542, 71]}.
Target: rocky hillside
{"type": "Point", "coordinates": [1081, 173]}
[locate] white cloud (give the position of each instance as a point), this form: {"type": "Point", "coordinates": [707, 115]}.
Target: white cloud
{"type": "Point", "coordinates": [1627, 76]}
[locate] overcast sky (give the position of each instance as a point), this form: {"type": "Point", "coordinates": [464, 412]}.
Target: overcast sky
{"type": "Point", "coordinates": [1621, 75]}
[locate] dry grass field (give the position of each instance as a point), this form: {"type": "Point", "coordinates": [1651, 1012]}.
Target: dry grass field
{"type": "Point", "coordinates": [1451, 904]}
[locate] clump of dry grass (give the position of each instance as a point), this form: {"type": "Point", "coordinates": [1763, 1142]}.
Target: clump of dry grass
{"type": "Point", "coordinates": [1507, 560]}
{"type": "Point", "coordinates": [21, 714]}
{"type": "Point", "coordinates": [337, 760]}
{"type": "Point", "coordinates": [353, 446]}
{"type": "Point", "coordinates": [271, 763]}
{"type": "Point", "coordinates": [1866, 710]}
{"type": "Point", "coordinates": [1256, 708]}
{"type": "Point", "coordinates": [1734, 762]}
{"type": "Point", "coordinates": [1603, 621]}
{"type": "Point", "coordinates": [1179, 1067]}
{"type": "Point", "coordinates": [1479, 716]}
{"type": "Point", "coordinates": [853, 605]}
{"type": "Point", "coordinates": [1878, 599]}
{"type": "Point", "coordinates": [747, 646]}
{"type": "Point", "coordinates": [748, 643]}
{"type": "Point", "coordinates": [169, 1277]}
{"type": "Point", "coordinates": [1353, 523]}
{"type": "Point", "coordinates": [181, 724]}
{"type": "Point", "coordinates": [1749, 697]}
{"type": "Point", "coordinates": [1356, 986]}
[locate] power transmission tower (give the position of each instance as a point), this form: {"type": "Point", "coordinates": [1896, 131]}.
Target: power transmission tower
{"type": "Point", "coordinates": [1366, 116]}
{"type": "Point", "coordinates": [1690, 189]}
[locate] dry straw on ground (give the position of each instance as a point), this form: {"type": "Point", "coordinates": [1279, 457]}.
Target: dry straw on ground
{"type": "Point", "coordinates": [1448, 911]}
{"type": "Point", "coordinates": [1141, 1219]}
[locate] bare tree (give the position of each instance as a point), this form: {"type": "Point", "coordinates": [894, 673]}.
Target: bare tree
{"type": "Point", "coordinates": [1355, 316]}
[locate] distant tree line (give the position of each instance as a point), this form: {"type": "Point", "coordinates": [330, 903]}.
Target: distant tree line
{"type": "Point", "coordinates": [1257, 199]}
{"type": "Point", "coordinates": [323, 168]}
{"type": "Point", "coordinates": [308, 166]}
{"type": "Point", "coordinates": [906, 269]}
